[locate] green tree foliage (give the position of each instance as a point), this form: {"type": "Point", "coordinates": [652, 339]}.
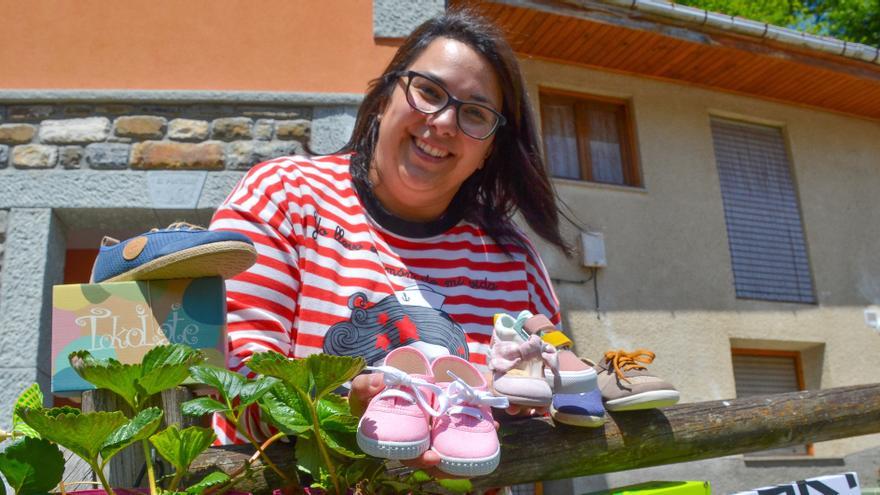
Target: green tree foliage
{"type": "Point", "coordinates": [852, 20]}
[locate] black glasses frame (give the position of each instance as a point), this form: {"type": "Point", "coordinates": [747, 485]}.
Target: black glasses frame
{"type": "Point", "coordinates": [450, 100]}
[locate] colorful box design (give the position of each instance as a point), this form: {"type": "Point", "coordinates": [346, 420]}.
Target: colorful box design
{"type": "Point", "coordinates": [842, 484]}
{"type": "Point", "coordinates": [124, 320]}
{"type": "Point", "coordinates": [661, 488]}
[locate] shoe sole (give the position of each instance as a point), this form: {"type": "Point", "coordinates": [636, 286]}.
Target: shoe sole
{"type": "Point", "coordinates": [583, 420]}
{"type": "Point", "coordinates": [224, 259]}
{"type": "Point", "coordinates": [644, 400]}
{"type": "Point", "coordinates": [400, 451]}
{"type": "Point", "coordinates": [572, 382]}
{"type": "Point", "coordinates": [524, 401]}
{"type": "Point", "coordinates": [469, 467]}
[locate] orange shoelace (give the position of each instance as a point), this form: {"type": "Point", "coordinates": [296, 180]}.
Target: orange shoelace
{"type": "Point", "coordinates": [623, 361]}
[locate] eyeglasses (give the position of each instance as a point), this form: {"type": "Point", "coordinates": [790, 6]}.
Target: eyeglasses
{"type": "Point", "coordinates": [428, 96]}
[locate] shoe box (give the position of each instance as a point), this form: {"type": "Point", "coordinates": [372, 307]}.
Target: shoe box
{"type": "Point", "coordinates": [124, 320]}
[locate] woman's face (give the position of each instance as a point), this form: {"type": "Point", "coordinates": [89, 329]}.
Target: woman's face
{"type": "Point", "coordinates": [421, 160]}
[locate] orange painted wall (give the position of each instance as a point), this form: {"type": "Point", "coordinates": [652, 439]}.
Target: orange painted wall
{"type": "Point", "coordinates": [268, 45]}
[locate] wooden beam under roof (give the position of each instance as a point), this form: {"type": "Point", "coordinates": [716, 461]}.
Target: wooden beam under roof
{"type": "Point", "coordinates": [598, 35]}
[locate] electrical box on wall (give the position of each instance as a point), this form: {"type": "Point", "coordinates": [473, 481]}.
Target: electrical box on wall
{"type": "Point", "coordinates": [872, 317]}
{"type": "Point", "coordinates": [593, 250]}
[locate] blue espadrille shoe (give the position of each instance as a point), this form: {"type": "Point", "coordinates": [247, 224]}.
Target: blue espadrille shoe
{"type": "Point", "coordinates": [180, 251]}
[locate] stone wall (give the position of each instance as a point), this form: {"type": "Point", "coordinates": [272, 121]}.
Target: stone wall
{"type": "Point", "coordinates": [122, 136]}
{"type": "Point", "coordinates": [4, 216]}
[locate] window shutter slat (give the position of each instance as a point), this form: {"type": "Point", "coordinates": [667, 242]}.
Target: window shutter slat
{"type": "Point", "coordinates": [764, 228]}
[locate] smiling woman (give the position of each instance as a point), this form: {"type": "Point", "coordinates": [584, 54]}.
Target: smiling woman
{"type": "Point", "coordinates": [423, 158]}
{"type": "Point", "coordinates": [405, 237]}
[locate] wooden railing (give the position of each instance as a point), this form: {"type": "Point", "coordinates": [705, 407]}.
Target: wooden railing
{"type": "Point", "coordinates": [534, 449]}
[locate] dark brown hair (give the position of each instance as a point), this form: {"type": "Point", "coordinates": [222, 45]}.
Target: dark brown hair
{"type": "Point", "coordinates": [513, 176]}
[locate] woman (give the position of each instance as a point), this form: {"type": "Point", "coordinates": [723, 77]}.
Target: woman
{"type": "Point", "coordinates": [405, 237]}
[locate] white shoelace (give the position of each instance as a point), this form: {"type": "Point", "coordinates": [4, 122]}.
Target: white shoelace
{"type": "Point", "coordinates": [395, 378]}
{"type": "Point", "coordinates": [461, 398]}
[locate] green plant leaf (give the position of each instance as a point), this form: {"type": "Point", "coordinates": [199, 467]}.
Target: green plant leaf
{"type": "Point", "coordinates": [329, 372]}
{"type": "Point", "coordinates": [342, 442]}
{"type": "Point", "coordinates": [287, 409]}
{"type": "Point", "coordinates": [82, 433]}
{"type": "Point", "coordinates": [420, 476]}
{"type": "Point", "coordinates": [228, 383]}
{"type": "Point", "coordinates": [213, 479]}
{"type": "Point", "coordinates": [338, 426]}
{"type": "Point", "coordinates": [167, 366]}
{"type": "Point", "coordinates": [332, 405]}
{"type": "Point", "coordinates": [31, 397]}
{"type": "Point", "coordinates": [181, 447]}
{"type": "Point", "coordinates": [253, 390]}
{"type": "Point", "coordinates": [32, 465]}
{"type": "Point", "coordinates": [457, 485]}
{"type": "Point", "coordinates": [356, 471]}
{"type": "Point", "coordinates": [308, 459]}
{"type": "Point", "coordinates": [138, 428]}
{"type": "Point", "coordinates": [2, 486]}
{"type": "Point", "coordinates": [397, 486]}
{"type": "Point", "coordinates": [202, 406]}
{"type": "Point", "coordinates": [107, 373]}
{"type": "Point", "coordinates": [293, 372]}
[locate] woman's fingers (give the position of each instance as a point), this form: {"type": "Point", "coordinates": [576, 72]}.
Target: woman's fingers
{"type": "Point", "coordinates": [428, 463]}
{"type": "Point", "coordinates": [363, 389]}
{"type": "Point", "coordinates": [515, 410]}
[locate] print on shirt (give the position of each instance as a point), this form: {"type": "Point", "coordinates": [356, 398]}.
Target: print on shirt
{"type": "Point", "coordinates": [411, 317]}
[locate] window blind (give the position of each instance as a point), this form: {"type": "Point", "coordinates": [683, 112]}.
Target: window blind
{"type": "Point", "coordinates": [760, 375]}
{"type": "Point", "coordinates": [764, 228]}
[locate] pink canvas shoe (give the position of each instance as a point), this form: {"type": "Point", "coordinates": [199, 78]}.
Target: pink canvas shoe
{"type": "Point", "coordinates": [397, 422]}
{"type": "Point", "coordinates": [464, 433]}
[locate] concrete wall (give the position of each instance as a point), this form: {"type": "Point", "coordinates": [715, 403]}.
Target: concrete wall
{"type": "Point", "coordinates": [227, 45]}
{"type": "Point", "coordinates": [669, 283]}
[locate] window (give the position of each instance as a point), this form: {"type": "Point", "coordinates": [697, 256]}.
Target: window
{"type": "Point", "coordinates": [589, 138]}
{"type": "Point", "coordinates": [760, 372]}
{"type": "Point", "coordinates": [764, 229]}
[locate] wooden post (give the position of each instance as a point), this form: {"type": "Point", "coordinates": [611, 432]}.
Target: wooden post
{"type": "Point", "coordinates": [125, 468]}
{"type": "Point", "coordinates": [534, 449]}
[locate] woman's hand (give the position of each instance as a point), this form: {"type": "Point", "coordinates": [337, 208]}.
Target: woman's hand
{"type": "Point", "coordinates": [363, 389]}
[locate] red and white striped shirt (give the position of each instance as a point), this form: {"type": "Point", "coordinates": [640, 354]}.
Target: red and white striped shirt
{"type": "Point", "coordinates": [329, 278]}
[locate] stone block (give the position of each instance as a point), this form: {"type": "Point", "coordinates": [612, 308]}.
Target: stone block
{"type": "Point", "coordinates": [331, 128]}
{"type": "Point", "coordinates": [30, 112]}
{"type": "Point", "coordinates": [16, 133]}
{"type": "Point", "coordinates": [75, 131]}
{"type": "Point", "coordinates": [275, 149]}
{"type": "Point", "coordinates": [152, 155]}
{"type": "Point", "coordinates": [114, 109]}
{"type": "Point", "coordinates": [78, 111]}
{"type": "Point", "coordinates": [188, 130]}
{"type": "Point", "coordinates": [239, 155]}
{"type": "Point", "coordinates": [293, 129]}
{"type": "Point", "coordinates": [140, 127]}
{"type": "Point", "coordinates": [4, 155]}
{"type": "Point", "coordinates": [34, 156]}
{"type": "Point", "coordinates": [263, 129]}
{"type": "Point", "coordinates": [243, 155]}
{"type": "Point", "coordinates": [232, 128]}
{"type": "Point", "coordinates": [107, 156]}
{"type": "Point", "coordinates": [277, 113]}
{"type": "Point", "coordinates": [70, 157]}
